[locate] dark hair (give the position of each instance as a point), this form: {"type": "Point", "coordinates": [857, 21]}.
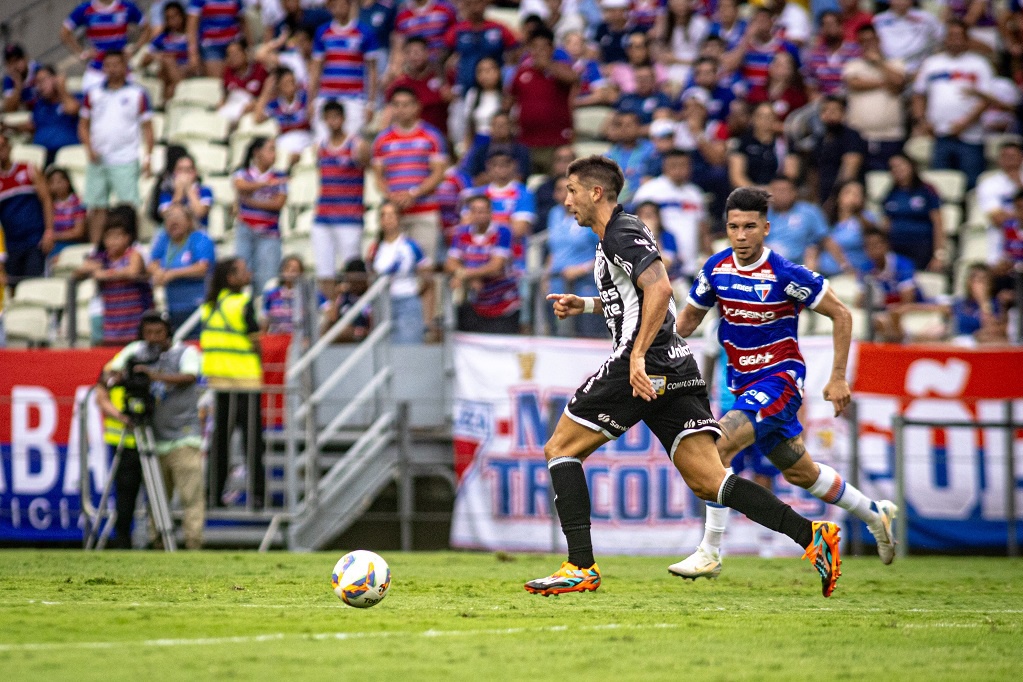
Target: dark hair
{"type": "Point", "coordinates": [282, 71]}
{"type": "Point", "coordinates": [1013, 143]}
{"type": "Point", "coordinates": [154, 316]}
{"type": "Point", "coordinates": [57, 170]}
{"type": "Point", "coordinates": [869, 26]}
{"type": "Point", "coordinates": [114, 53]}
{"type": "Point", "coordinates": [306, 30]}
{"type": "Point", "coordinates": [833, 99]}
{"type": "Point", "coordinates": [543, 33]}
{"type": "Point", "coordinates": [288, 259]}
{"type": "Point", "coordinates": [417, 39]}
{"type": "Point", "coordinates": [356, 265]}
{"type": "Point", "coordinates": [915, 179]}
{"type": "Point", "coordinates": [500, 153]}
{"type": "Point", "coordinates": [713, 61]}
{"type": "Point", "coordinates": [956, 21]}
{"type": "Point", "coordinates": [478, 196]}
{"type": "Point", "coordinates": [48, 68]}
{"type": "Point", "coordinates": [123, 217]}
{"type": "Point", "coordinates": [676, 153]}
{"type": "Point", "coordinates": [241, 42]}
{"type": "Point", "coordinates": [748, 199]}
{"type": "Point", "coordinates": [1017, 196]}
{"type": "Point", "coordinates": [174, 4]}
{"type": "Point", "coordinates": [599, 171]}
{"type": "Point", "coordinates": [876, 232]}
{"type": "Point", "coordinates": [254, 146]}
{"type": "Point", "coordinates": [13, 51]}
{"type": "Point", "coordinates": [218, 281]}
{"type": "Point", "coordinates": [971, 270]}
{"type": "Point", "coordinates": [657, 208]}
{"type": "Point", "coordinates": [333, 107]}
{"type": "Point", "coordinates": [402, 90]}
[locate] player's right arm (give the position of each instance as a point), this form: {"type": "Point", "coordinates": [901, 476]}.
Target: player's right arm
{"type": "Point", "coordinates": [701, 299]}
{"type": "Point", "coordinates": [689, 319]}
{"type": "Point", "coordinates": [567, 305]}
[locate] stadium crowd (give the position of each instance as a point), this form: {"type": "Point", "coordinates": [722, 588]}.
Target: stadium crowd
{"type": "Point", "coordinates": [417, 137]}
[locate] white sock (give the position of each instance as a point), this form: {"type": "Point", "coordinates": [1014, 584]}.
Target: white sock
{"type": "Point", "coordinates": [715, 525]}
{"type": "Point", "coordinates": [830, 488]}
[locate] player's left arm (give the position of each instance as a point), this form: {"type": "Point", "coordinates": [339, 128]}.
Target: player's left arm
{"type": "Point", "coordinates": [837, 389]}
{"type": "Point", "coordinates": [657, 295]}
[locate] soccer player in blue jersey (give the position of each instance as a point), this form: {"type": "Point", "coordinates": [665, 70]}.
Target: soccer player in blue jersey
{"type": "Point", "coordinates": [760, 295]}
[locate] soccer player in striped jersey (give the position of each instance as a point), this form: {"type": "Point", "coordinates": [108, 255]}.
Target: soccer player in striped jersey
{"type": "Point", "coordinates": [106, 25]}
{"type": "Point", "coordinates": [651, 376]}
{"type": "Point", "coordinates": [337, 228]}
{"type": "Point", "coordinates": [760, 295]}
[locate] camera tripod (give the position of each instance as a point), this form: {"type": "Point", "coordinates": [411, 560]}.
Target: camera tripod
{"type": "Point", "coordinates": [156, 495]}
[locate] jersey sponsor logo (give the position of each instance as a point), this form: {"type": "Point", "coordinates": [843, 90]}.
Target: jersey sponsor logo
{"type": "Point", "coordinates": [758, 315]}
{"type": "Point", "coordinates": [697, 423]}
{"type": "Point", "coordinates": [755, 359]}
{"type": "Point", "coordinates": [759, 396]}
{"type": "Point", "coordinates": [688, 383]}
{"type": "Point", "coordinates": [609, 420]}
{"type": "Point", "coordinates": [702, 285]}
{"type": "Point", "coordinates": [677, 352]}
{"type": "Point", "coordinates": [623, 264]}
{"type": "Point", "coordinates": [741, 287]}
{"type": "Point", "coordinates": [659, 383]}
{"type": "Point", "coordinates": [763, 290]}
{"type": "Point", "coordinates": [797, 292]}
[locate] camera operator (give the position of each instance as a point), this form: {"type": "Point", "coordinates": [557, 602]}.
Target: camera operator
{"type": "Point", "coordinates": [166, 373]}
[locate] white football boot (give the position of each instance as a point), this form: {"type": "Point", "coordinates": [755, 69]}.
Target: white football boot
{"type": "Point", "coordinates": [699, 564]}
{"type": "Point", "coordinates": [886, 511]}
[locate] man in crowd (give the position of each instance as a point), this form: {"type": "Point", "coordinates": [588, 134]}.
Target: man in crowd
{"type": "Point", "coordinates": [907, 33]}
{"type": "Point", "coordinates": [422, 77]}
{"type": "Point", "coordinates": [26, 215]}
{"type": "Point", "coordinates": [997, 190]}
{"type": "Point", "coordinates": [838, 150]}
{"type": "Point", "coordinates": [798, 229]}
{"type": "Point", "coordinates": [631, 152]}
{"type": "Point", "coordinates": [106, 24]}
{"type": "Point", "coordinates": [825, 63]}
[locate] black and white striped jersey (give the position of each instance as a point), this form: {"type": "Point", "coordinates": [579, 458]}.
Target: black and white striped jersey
{"type": "Point", "coordinates": [627, 249]}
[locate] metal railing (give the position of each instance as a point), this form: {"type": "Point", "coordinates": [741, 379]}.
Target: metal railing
{"type": "Point", "coordinates": [899, 426]}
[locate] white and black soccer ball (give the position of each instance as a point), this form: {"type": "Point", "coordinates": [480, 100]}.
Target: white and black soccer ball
{"type": "Point", "coordinates": [361, 579]}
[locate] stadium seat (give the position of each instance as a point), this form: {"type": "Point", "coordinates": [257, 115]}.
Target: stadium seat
{"type": "Point", "coordinates": [535, 180]}
{"type": "Point", "coordinates": [16, 118]}
{"type": "Point", "coordinates": [204, 92]}
{"type": "Point", "coordinates": [860, 323]}
{"type": "Point", "coordinates": [920, 149]}
{"type": "Point", "coordinates": [371, 196]}
{"type": "Point", "coordinates": [71, 258]}
{"type": "Point", "coordinates": [210, 159]}
{"type": "Point", "coordinates": [933, 285]}
{"type": "Point", "coordinates": [72, 158]}
{"type": "Point", "coordinates": [504, 15]}
{"type": "Point", "coordinates": [994, 141]}
{"type": "Point", "coordinates": [222, 188]}
{"type": "Point", "coordinates": [217, 223]}
{"type": "Point", "coordinates": [248, 128]}
{"type": "Point", "coordinates": [49, 293]}
{"type": "Point", "coordinates": [923, 323]}
{"type": "Point", "coordinates": [950, 184]}
{"type": "Point", "coordinates": [32, 154]}
{"type": "Point", "coordinates": [589, 121]}
{"type": "Point", "coordinates": [85, 290]}
{"type": "Point", "coordinates": [158, 160]}
{"type": "Point", "coordinates": [951, 218]}
{"type": "Point", "coordinates": [159, 126]}
{"type": "Point", "coordinates": [583, 149]}
{"type": "Point", "coordinates": [846, 287]}
{"type": "Point", "coordinates": [973, 247]}
{"type": "Point", "coordinates": [73, 84]}
{"type": "Point", "coordinates": [304, 223]}
{"type": "Point", "coordinates": [303, 188]}
{"type": "Point", "coordinates": [155, 89]}
{"type": "Point", "coordinates": [200, 125]}
{"type": "Point", "coordinates": [28, 324]}
{"type": "Point", "coordinates": [878, 184]}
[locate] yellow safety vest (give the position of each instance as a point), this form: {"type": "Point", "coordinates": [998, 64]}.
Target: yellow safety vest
{"type": "Point", "coordinates": [112, 428]}
{"type": "Point", "coordinates": [227, 350]}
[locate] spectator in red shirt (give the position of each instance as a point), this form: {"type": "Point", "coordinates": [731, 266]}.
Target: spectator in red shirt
{"type": "Point", "coordinates": [852, 18]}
{"type": "Point", "coordinates": [541, 88]}
{"type": "Point", "coordinates": [420, 76]}
{"type": "Point", "coordinates": [784, 89]}
{"type": "Point", "coordinates": [243, 82]}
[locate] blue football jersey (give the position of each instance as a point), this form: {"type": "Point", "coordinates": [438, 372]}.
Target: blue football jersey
{"type": "Point", "coordinates": [759, 306]}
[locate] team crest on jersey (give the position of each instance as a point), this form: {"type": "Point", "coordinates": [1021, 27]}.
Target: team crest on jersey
{"type": "Point", "coordinates": [763, 290]}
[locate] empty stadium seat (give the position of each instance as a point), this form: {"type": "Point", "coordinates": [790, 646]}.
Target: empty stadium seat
{"type": "Point", "coordinates": [41, 292]}
{"type": "Point", "coordinates": [222, 188]}
{"type": "Point", "coordinates": [204, 92]}
{"type": "Point", "coordinates": [210, 159]}
{"type": "Point", "coordinates": [248, 128]}
{"type": "Point", "coordinates": [73, 84]}
{"type": "Point", "coordinates": [878, 184]}
{"type": "Point", "coordinates": [199, 125]}
{"type": "Point", "coordinates": [154, 86]}
{"type": "Point", "coordinates": [303, 189]}
{"type": "Point", "coordinates": [589, 121]}
{"type": "Point", "coordinates": [846, 287]}
{"type": "Point", "coordinates": [973, 247]}
{"type": "Point", "coordinates": [73, 158]}
{"type": "Point", "coordinates": [29, 324]}
{"type": "Point", "coordinates": [159, 126]}
{"type": "Point", "coordinates": [920, 149]}
{"type": "Point", "coordinates": [927, 324]}
{"type": "Point", "coordinates": [933, 285]}
{"type": "Point", "coordinates": [304, 222]}
{"type": "Point", "coordinates": [950, 184]}
{"type": "Point", "coordinates": [217, 223]}
{"type": "Point", "coordinates": [71, 258]}
{"type": "Point", "coordinates": [860, 323]}
{"type": "Point", "coordinates": [951, 218]}
{"type": "Point", "coordinates": [16, 118]}
{"type": "Point", "coordinates": [504, 15]}
{"type": "Point", "coordinates": [32, 154]}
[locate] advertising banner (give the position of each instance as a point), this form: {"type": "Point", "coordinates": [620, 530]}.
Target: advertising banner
{"type": "Point", "coordinates": [956, 478]}
{"type": "Point", "coordinates": [509, 393]}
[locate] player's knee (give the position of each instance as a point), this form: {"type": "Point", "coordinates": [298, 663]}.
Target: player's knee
{"type": "Point", "coordinates": [703, 487]}
{"type": "Point", "coordinates": [797, 477]}
{"type": "Point", "coordinates": [551, 450]}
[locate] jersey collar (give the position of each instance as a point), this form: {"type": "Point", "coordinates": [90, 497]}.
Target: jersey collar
{"type": "Point", "coordinates": [753, 266]}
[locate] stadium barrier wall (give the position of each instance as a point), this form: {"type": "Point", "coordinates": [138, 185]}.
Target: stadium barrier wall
{"type": "Point", "coordinates": [509, 392]}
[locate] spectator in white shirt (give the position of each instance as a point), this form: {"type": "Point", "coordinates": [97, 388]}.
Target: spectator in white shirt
{"type": "Point", "coordinates": [682, 208]}
{"type": "Point", "coordinates": [793, 22]}
{"type": "Point", "coordinates": [907, 33]}
{"type": "Point", "coordinates": [949, 96]}
{"type": "Point", "coordinates": [114, 121]}
{"type": "Point", "coordinates": [996, 191]}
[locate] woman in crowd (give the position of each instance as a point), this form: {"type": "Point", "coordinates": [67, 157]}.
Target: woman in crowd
{"type": "Point", "coordinates": [401, 258]}
{"type": "Point", "coordinates": [680, 32]}
{"type": "Point", "coordinates": [68, 212]}
{"type": "Point", "coordinates": [785, 89]}
{"type": "Point", "coordinates": [170, 49]}
{"type": "Point", "coordinates": [760, 154]}
{"type": "Point", "coordinates": [243, 82]}
{"type": "Point", "coordinates": [977, 313]}
{"type": "Point", "coordinates": [184, 189]}
{"type": "Point", "coordinates": [851, 218]}
{"type": "Point", "coordinates": [570, 265]}
{"type": "Point", "coordinates": [119, 270]}
{"type": "Point", "coordinates": [262, 193]}
{"type": "Point", "coordinates": [279, 302]}
{"type": "Point", "coordinates": [482, 101]}
{"type": "Point", "coordinates": [181, 259]}
{"type": "Point", "coordinates": [913, 217]}
{"type": "Point", "coordinates": [637, 51]}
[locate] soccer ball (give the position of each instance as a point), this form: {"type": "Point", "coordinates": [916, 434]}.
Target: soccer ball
{"type": "Point", "coordinates": [361, 579]}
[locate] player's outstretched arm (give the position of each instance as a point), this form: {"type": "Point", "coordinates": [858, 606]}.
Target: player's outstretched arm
{"type": "Point", "coordinates": [688, 320]}
{"type": "Point", "coordinates": [567, 305]}
{"type": "Point", "coordinates": [837, 389]}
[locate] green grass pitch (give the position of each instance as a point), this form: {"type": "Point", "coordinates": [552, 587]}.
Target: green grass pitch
{"type": "Point", "coordinates": [67, 615]}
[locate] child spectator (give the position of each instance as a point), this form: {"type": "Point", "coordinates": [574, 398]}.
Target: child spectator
{"type": "Point", "coordinates": [262, 193]}
{"type": "Point", "coordinates": [68, 211]}
{"type": "Point", "coordinates": [243, 82]}
{"type": "Point", "coordinates": [351, 285]}
{"type": "Point", "coordinates": [396, 255]}
{"type": "Point", "coordinates": [286, 102]}
{"type": "Point", "coordinates": [170, 49]}
{"type": "Point", "coordinates": [279, 302]}
{"type": "Point", "coordinates": [119, 270]}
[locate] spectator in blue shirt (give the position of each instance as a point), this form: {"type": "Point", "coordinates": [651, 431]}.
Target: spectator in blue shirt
{"type": "Point", "coordinates": [889, 284]}
{"type": "Point", "coordinates": [570, 265]}
{"type": "Point", "coordinates": [631, 152]}
{"type": "Point", "coordinates": [913, 215]}
{"type": "Point", "coordinates": [799, 230]}
{"type": "Point", "coordinates": [646, 100]}
{"type": "Point", "coordinates": [186, 190]}
{"type": "Point", "coordinates": [613, 32]}
{"type": "Point", "coordinates": [380, 16]}
{"type": "Point", "coordinates": [54, 110]}
{"type": "Point", "coordinates": [181, 260]}
{"type": "Point", "coordinates": [19, 75]}
{"type": "Point", "coordinates": [851, 220]}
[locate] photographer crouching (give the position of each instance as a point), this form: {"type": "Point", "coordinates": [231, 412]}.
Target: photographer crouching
{"type": "Point", "coordinates": [154, 376]}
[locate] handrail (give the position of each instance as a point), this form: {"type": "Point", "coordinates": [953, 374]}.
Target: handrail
{"type": "Point", "coordinates": [188, 325]}
{"type": "Point", "coordinates": [335, 330]}
{"type": "Point", "coordinates": [381, 331]}
{"type": "Point", "coordinates": [355, 403]}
